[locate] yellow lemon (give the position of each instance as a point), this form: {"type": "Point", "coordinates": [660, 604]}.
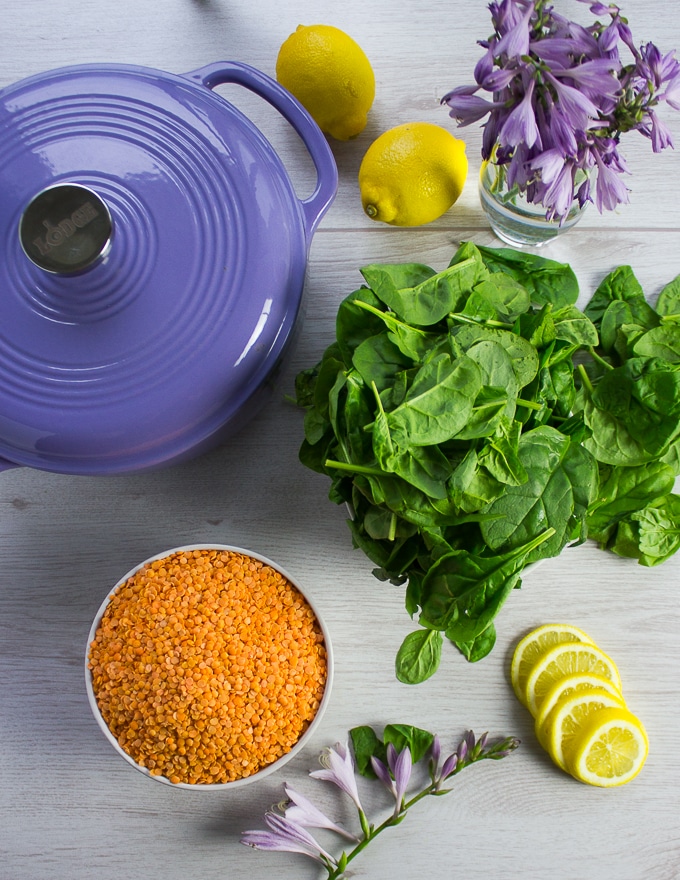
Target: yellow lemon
{"type": "Point", "coordinates": [566, 687]}
{"type": "Point", "coordinates": [412, 174]}
{"type": "Point", "coordinates": [565, 659]}
{"type": "Point", "coordinates": [330, 76]}
{"type": "Point", "coordinates": [565, 722]}
{"type": "Point", "coordinates": [611, 750]}
{"type": "Point", "coordinates": [536, 643]}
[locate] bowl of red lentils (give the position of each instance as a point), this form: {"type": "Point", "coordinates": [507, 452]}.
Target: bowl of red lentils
{"type": "Point", "coordinates": [208, 667]}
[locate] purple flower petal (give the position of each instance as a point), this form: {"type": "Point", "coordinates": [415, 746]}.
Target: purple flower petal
{"type": "Point", "coordinates": [484, 66]}
{"type": "Point", "coordinates": [520, 127]}
{"type": "Point", "coordinates": [672, 93]}
{"type": "Point", "coordinates": [383, 774]}
{"type": "Point", "coordinates": [339, 769]}
{"type": "Point", "coordinates": [499, 79]}
{"type": "Point", "coordinates": [285, 836]}
{"type": "Point", "coordinates": [576, 107]}
{"type": "Point", "coordinates": [515, 42]}
{"type": "Point", "coordinates": [303, 812]}
{"type": "Point", "coordinates": [550, 164]}
{"type": "Point", "coordinates": [596, 77]}
{"type": "Point", "coordinates": [435, 751]}
{"type": "Point", "coordinates": [401, 766]}
{"type": "Point", "coordinates": [465, 108]}
{"type": "Point", "coordinates": [610, 190]}
{"type": "Point", "coordinates": [449, 766]}
{"type": "Point", "coordinates": [659, 133]}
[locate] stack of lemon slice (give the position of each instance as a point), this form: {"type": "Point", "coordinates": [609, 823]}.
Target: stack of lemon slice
{"type": "Point", "coordinates": [573, 691]}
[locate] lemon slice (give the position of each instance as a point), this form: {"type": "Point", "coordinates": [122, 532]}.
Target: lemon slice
{"type": "Point", "coordinates": [562, 660]}
{"type": "Point", "coordinates": [566, 720]}
{"type": "Point", "coordinates": [534, 645]}
{"type": "Point", "coordinates": [566, 687]}
{"type": "Point", "coordinates": [611, 749]}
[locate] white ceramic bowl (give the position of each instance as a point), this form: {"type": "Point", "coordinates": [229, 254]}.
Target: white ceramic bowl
{"type": "Point", "coordinates": [264, 771]}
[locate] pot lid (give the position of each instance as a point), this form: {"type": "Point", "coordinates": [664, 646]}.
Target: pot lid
{"type": "Point", "coordinates": [152, 265]}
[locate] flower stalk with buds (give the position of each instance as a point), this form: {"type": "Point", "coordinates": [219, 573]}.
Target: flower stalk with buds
{"type": "Point", "coordinates": [289, 821]}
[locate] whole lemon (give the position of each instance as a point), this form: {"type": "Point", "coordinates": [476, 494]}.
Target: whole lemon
{"type": "Point", "coordinates": [412, 174]}
{"type": "Point", "coordinates": [330, 76]}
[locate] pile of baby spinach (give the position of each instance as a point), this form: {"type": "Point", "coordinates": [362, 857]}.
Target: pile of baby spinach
{"type": "Point", "coordinates": [475, 420]}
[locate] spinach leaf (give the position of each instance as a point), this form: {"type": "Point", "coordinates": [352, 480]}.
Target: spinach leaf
{"type": "Point", "coordinates": [643, 397]}
{"type": "Point", "coordinates": [353, 324]}
{"type": "Point", "coordinates": [573, 326]}
{"type": "Point", "coordinates": [507, 298]}
{"type": "Point", "coordinates": [523, 355]}
{"type": "Point", "coordinates": [538, 327]}
{"type": "Point", "coordinates": [668, 301]}
{"type": "Point", "coordinates": [651, 535]}
{"type": "Point", "coordinates": [428, 301]}
{"type": "Point", "coordinates": [438, 403]}
{"type": "Point", "coordinates": [478, 648]}
{"type": "Point", "coordinates": [608, 439]}
{"type": "Point", "coordinates": [624, 490]}
{"type": "Point", "coordinates": [500, 455]}
{"type": "Point", "coordinates": [462, 592]}
{"type": "Point", "coordinates": [419, 656]}
{"type": "Point", "coordinates": [561, 483]}
{"type": "Point", "coordinates": [659, 530]}
{"type": "Point", "coordinates": [411, 341]}
{"type": "Point", "coordinates": [547, 281]}
{"type": "Point", "coordinates": [660, 342]}
{"type": "Point", "coordinates": [378, 361]}
{"type": "Point", "coordinates": [621, 284]}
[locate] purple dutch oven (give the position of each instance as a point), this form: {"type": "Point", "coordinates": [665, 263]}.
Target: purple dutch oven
{"type": "Point", "coordinates": [154, 263]}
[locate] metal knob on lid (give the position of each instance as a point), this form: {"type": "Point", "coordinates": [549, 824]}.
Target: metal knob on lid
{"type": "Point", "coordinates": [65, 229]}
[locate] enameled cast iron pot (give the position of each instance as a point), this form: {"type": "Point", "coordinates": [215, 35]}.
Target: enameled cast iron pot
{"type": "Point", "coordinates": [152, 263]}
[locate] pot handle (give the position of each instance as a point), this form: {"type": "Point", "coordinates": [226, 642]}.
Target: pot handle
{"type": "Point", "coordinates": [290, 108]}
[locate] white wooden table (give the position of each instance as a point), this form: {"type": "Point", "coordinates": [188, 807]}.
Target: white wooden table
{"type": "Point", "coordinates": [70, 809]}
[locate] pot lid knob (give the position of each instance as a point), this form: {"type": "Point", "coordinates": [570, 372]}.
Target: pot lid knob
{"type": "Point", "coordinates": [65, 228]}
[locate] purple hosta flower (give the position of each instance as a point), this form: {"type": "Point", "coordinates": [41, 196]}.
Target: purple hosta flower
{"type": "Point", "coordinates": [302, 811]}
{"type": "Point", "coordinates": [513, 23]}
{"type": "Point", "coordinates": [401, 765]}
{"type": "Point", "coordinates": [656, 69]}
{"type": "Point", "coordinates": [286, 836]}
{"type": "Point", "coordinates": [658, 132]}
{"type": "Point", "coordinates": [466, 107]}
{"type": "Point", "coordinates": [672, 94]}
{"type": "Point", "coordinates": [521, 127]}
{"type": "Point", "coordinates": [338, 768]}
{"type": "Point", "coordinates": [396, 775]}
{"type": "Point", "coordinates": [596, 78]}
{"type": "Point", "coordinates": [440, 771]}
{"type": "Point", "coordinates": [561, 134]}
{"type": "Point", "coordinates": [484, 66]}
{"type": "Point", "coordinates": [557, 177]}
{"type": "Point", "coordinates": [500, 79]}
{"type": "Point", "coordinates": [576, 107]}
{"type": "Point", "coordinates": [518, 168]}
{"type": "Point", "coordinates": [507, 14]}
{"type": "Point", "coordinates": [610, 190]}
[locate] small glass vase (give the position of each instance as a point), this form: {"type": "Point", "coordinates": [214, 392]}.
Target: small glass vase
{"type": "Point", "coordinates": [515, 220]}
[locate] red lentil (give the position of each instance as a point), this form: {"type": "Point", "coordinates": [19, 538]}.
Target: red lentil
{"type": "Point", "coordinates": [207, 666]}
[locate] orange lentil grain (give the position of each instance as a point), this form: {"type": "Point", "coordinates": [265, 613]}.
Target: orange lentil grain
{"type": "Point", "coordinates": [207, 666]}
